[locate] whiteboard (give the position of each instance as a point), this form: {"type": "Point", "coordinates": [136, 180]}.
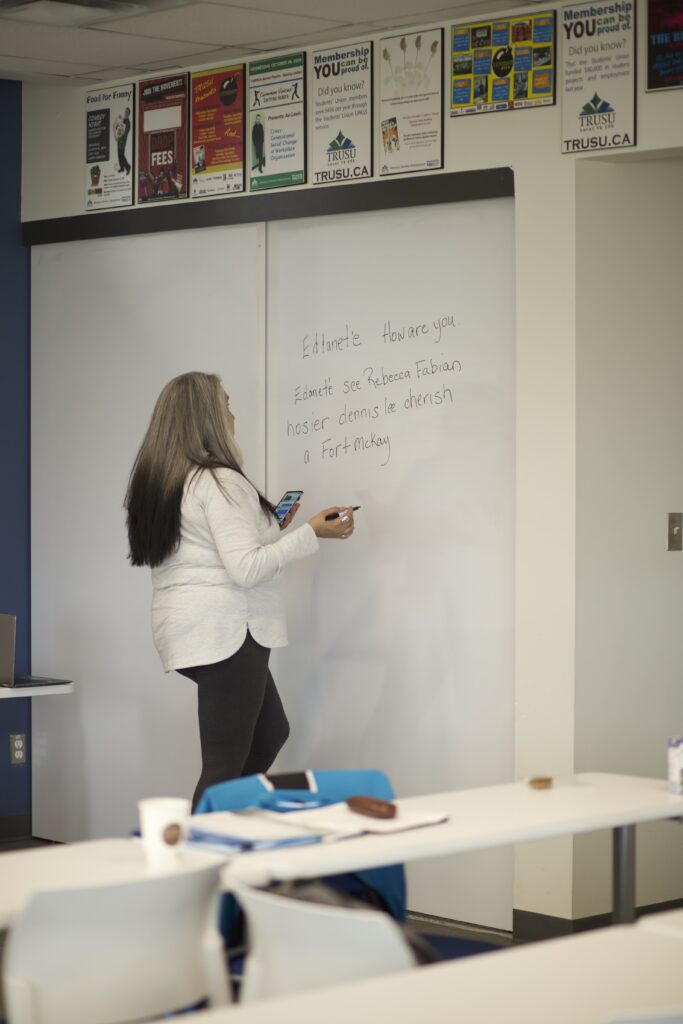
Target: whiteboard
{"type": "Point", "coordinates": [390, 385]}
{"type": "Point", "coordinates": [112, 321]}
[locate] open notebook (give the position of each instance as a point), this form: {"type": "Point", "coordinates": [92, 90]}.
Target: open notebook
{"type": "Point", "coordinates": [259, 829]}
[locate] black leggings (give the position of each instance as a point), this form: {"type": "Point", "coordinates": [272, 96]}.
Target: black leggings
{"type": "Point", "coordinates": [242, 723]}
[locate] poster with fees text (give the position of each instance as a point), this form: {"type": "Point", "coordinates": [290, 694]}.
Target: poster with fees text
{"type": "Point", "coordinates": [503, 64]}
{"type": "Point", "coordinates": [162, 139]}
{"type": "Point", "coordinates": [341, 90]}
{"type": "Point", "coordinates": [109, 142]}
{"type": "Point", "coordinates": [664, 44]}
{"type": "Point", "coordinates": [277, 122]}
{"type": "Point", "coordinates": [411, 102]}
{"type": "Point", "coordinates": [217, 145]}
{"type": "Point", "coordinates": [599, 76]}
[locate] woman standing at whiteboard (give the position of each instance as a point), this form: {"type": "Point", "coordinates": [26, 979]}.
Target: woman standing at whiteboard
{"type": "Point", "coordinates": [214, 547]}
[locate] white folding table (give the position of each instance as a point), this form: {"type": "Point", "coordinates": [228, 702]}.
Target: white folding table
{"type": "Point", "coordinates": [487, 817]}
{"type": "Point", "coordinates": [590, 978]}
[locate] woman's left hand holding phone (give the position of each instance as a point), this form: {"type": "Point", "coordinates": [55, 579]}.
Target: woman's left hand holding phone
{"type": "Point", "coordinates": [290, 515]}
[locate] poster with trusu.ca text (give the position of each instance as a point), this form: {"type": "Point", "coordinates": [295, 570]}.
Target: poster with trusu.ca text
{"type": "Point", "coordinates": [217, 149]}
{"type": "Point", "coordinates": [162, 139]}
{"type": "Point", "coordinates": [341, 87]}
{"type": "Point", "coordinates": [599, 76]}
{"type": "Point", "coordinates": [109, 142]}
{"type": "Point", "coordinates": [277, 119]}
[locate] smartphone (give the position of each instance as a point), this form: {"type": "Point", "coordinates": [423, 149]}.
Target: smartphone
{"type": "Point", "coordinates": [283, 506]}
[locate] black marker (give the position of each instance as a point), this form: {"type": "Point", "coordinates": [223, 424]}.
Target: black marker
{"type": "Point", "coordinates": [335, 515]}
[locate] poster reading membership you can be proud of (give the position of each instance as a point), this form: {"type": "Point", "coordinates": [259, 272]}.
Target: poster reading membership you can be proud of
{"type": "Point", "coordinates": [162, 139]}
{"type": "Point", "coordinates": [341, 89]}
{"type": "Point", "coordinates": [277, 119]}
{"type": "Point", "coordinates": [411, 102]}
{"type": "Point", "coordinates": [599, 76]}
{"type": "Point", "coordinates": [217, 148]}
{"type": "Point", "coordinates": [109, 142]}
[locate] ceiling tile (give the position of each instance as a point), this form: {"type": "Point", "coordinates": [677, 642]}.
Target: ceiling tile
{"type": "Point", "coordinates": [117, 75]}
{"type": "Point", "coordinates": [15, 65]}
{"type": "Point", "coordinates": [217, 24]}
{"type": "Point", "coordinates": [350, 11]}
{"type": "Point", "coordinates": [347, 34]}
{"type": "Point", "coordinates": [200, 62]}
{"type": "Point", "coordinates": [42, 42]}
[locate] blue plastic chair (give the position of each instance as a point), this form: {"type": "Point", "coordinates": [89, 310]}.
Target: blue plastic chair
{"type": "Point", "coordinates": [385, 885]}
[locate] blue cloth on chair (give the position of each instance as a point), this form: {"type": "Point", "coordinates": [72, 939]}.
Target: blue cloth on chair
{"type": "Point", "coordinates": [333, 786]}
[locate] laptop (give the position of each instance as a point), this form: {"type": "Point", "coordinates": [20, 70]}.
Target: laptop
{"type": "Point", "coordinates": [8, 634]}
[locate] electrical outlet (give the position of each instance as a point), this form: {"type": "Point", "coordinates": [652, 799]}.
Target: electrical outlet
{"type": "Point", "coordinates": [675, 536]}
{"type": "Point", "coordinates": [17, 748]}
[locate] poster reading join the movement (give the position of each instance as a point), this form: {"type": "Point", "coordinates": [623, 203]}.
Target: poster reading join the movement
{"type": "Point", "coordinates": [341, 84]}
{"type": "Point", "coordinates": [277, 139]}
{"type": "Point", "coordinates": [217, 149]}
{"type": "Point", "coordinates": [503, 64]}
{"type": "Point", "coordinates": [162, 139]}
{"type": "Point", "coordinates": [664, 44]}
{"type": "Point", "coordinates": [109, 147]}
{"type": "Point", "coordinates": [411, 102]}
{"type": "Point", "coordinates": [599, 75]}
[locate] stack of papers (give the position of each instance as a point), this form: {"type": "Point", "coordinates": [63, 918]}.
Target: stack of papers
{"type": "Point", "coordinates": [258, 829]}
{"type": "Point", "coordinates": [252, 829]}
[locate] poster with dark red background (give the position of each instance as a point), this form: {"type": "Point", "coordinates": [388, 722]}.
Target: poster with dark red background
{"type": "Point", "coordinates": [664, 44]}
{"type": "Point", "coordinates": [162, 139]}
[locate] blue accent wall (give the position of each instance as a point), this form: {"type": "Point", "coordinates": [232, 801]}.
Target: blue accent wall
{"type": "Point", "coordinates": [15, 518]}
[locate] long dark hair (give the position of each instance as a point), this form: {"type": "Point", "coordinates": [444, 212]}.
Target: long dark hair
{"type": "Point", "coordinates": [188, 432]}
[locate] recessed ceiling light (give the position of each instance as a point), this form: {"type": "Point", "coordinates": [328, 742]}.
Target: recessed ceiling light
{"type": "Point", "coordinates": [77, 13]}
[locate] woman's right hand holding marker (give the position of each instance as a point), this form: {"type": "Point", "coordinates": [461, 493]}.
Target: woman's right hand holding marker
{"type": "Point", "coordinates": [339, 527]}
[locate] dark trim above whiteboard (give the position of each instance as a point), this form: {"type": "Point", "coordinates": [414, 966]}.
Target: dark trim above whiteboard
{"type": "Point", "coordinates": [463, 186]}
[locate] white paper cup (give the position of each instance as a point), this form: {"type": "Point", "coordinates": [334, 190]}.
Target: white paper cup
{"type": "Point", "coordinates": [163, 823]}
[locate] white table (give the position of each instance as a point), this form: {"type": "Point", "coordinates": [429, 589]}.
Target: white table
{"type": "Point", "coordinates": [12, 692]}
{"type": "Point", "coordinates": [478, 819]}
{"type": "Point", "coordinates": [483, 818]}
{"type": "Point", "coordinates": [74, 866]}
{"type": "Point", "coordinates": [583, 979]}
{"type": "Point", "coordinates": [669, 922]}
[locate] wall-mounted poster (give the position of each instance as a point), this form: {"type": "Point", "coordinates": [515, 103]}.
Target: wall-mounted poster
{"type": "Point", "coordinates": [599, 76]}
{"type": "Point", "coordinates": [664, 44]}
{"type": "Point", "coordinates": [277, 120]}
{"type": "Point", "coordinates": [109, 143]}
{"type": "Point", "coordinates": [217, 146]}
{"type": "Point", "coordinates": [411, 102]}
{"type": "Point", "coordinates": [162, 139]}
{"type": "Point", "coordinates": [341, 85]}
{"type": "Point", "coordinates": [503, 64]}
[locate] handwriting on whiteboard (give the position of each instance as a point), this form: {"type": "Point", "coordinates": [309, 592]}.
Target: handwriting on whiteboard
{"type": "Point", "coordinates": [343, 411]}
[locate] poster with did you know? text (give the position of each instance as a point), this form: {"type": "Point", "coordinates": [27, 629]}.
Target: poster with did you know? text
{"type": "Point", "coordinates": [411, 102]}
{"type": "Point", "coordinates": [341, 87]}
{"type": "Point", "coordinates": [109, 142]}
{"type": "Point", "coordinates": [599, 76]}
{"type": "Point", "coordinates": [162, 139]}
{"type": "Point", "coordinates": [277, 117]}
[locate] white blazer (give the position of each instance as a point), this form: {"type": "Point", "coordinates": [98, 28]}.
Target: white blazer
{"type": "Point", "coordinates": [222, 579]}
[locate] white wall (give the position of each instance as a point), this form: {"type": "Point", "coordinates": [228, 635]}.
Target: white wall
{"type": "Point", "coordinates": [529, 142]}
{"type": "Point", "coordinates": [629, 589]}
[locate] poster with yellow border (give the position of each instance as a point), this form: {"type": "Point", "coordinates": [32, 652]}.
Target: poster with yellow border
{"type": "Point", "coordinates": [503, 64]}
